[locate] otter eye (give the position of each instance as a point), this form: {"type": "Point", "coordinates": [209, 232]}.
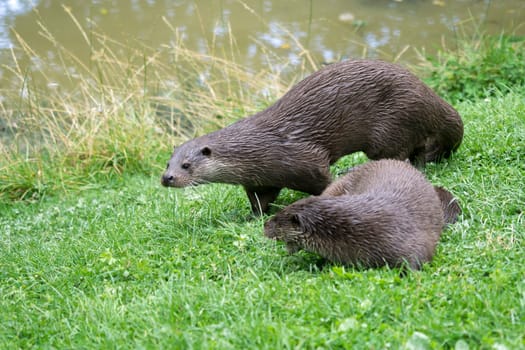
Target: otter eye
{"type": "Point", "coordinates": [185, 165]}
{"type": "Point", "coordinates": [206, 151]}
{"type": "Point", "coordinates": [167, 165]}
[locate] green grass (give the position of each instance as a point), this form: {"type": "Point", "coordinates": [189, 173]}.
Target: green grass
{"type": "Point", "coordinates": [132, 265]}
{"type": "Point", "coordinates": [94, 253]}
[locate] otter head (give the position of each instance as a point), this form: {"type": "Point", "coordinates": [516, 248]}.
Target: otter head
{"type": "Point", "coordinates": [188, 165]}
{"type": "Point", "coordinates": [291, 225]}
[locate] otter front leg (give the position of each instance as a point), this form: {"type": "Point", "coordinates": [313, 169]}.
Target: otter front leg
{"type": "Point", "coordinates": [261, 197]}
{"type": "Point", "coordinates": [292, 248]}
{"type": "Point", "coordinates": [315, 181]}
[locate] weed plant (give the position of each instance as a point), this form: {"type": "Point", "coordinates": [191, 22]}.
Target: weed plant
{"type": "Point", "coordinates": [116, 113]}
{"type": "Point", "coordinates": [477, 66]}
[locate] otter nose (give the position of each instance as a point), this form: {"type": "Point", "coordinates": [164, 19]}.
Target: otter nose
{"type": "Point", "coordinates": [167, 180]}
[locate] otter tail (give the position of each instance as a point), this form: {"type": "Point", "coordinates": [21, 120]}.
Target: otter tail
{"type": "Point", "coordinates": [449, 203]}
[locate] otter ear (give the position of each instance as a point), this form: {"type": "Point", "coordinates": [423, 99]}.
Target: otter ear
{"type": "Point", "coordinates": [300, 221]}
{"type": "Point", "coordinates": [296, 220]}
{"type": "Point", "coordinates": [206, 151]}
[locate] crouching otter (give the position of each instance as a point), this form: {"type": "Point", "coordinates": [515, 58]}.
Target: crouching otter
{"type": "Point", "coordinates": [381, 213]}
{"type": "Point", "coordinates": [357, 105]}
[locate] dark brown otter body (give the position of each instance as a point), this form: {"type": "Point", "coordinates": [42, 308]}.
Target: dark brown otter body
{"type": "Point", "coordinates": [359, 105]}
{"type": "Point", "coordinates": [381, 213]}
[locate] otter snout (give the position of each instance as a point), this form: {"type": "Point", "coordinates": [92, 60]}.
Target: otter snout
{"type": "Point", "coordinates": [175, 179]}
{"type": "Point", "coordinates": [167, 180]}
{"type": "Point", "coordinates": [270, 229]}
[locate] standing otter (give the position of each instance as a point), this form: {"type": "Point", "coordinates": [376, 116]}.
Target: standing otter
{"type": "Point", "coordinates": [357, 105]}
{"type": "Point", "coordinates": [381, 213]}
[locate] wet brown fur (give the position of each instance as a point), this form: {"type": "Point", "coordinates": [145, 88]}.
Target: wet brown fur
{"type": "Point", "coordinates": [381, 213]}
{"type": "Point", "coordinates": [358, 105]}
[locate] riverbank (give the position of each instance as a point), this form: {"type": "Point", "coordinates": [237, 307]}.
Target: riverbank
{"type": "Point", "coordinates": [95, 254]}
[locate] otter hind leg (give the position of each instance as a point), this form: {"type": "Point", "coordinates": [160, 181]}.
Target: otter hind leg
{"type": "Point", "coordinates": [418, 156]}
{"type": "Point", "coordinates": [436, 150]}
{"type": "Point", "coordinates": [261, 198]}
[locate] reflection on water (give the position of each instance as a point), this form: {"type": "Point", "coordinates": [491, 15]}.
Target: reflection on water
{"type": "Point", "coordinates": [245, 30]}
{"type": "Point", "coordinates": [9, 9]}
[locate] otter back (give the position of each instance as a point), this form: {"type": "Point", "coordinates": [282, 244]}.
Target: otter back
{"type": "Point", "coordinates": [358, 105]}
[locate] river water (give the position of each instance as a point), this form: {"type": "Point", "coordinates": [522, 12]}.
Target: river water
{"type": "Point", "coordinates": [251, 32]}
